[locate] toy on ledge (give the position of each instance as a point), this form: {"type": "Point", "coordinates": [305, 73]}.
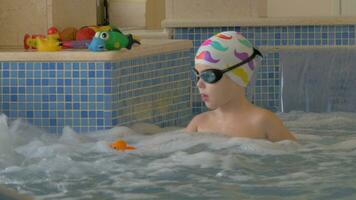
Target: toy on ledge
{"type": "Point", "coordinates": [43, 43]}
{"type": "Point", "coordinates": [95, 38]}
{"type": "Point", "coordinates": [68, 37]}
{"type": "Point", "coordinates": [72, 38]}
{"type": "Point", "coordinates": [121, 145]}
{"type": "Point", "coordinates": [51, 43]}
{"type": "Point", "coordinates": [112, 39]}
{"type": "Point", "coordinates": [75, 44]}
{"type": "Point", "coordinates": [29, 41]}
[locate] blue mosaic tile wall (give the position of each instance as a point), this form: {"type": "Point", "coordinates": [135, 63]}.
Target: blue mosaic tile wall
{"type": "Point", "coordinates": [90, 96]}
{"type": "Point", "coordinates": [154, 89]}
{"type": "Point", "coordinates": [265, 91]}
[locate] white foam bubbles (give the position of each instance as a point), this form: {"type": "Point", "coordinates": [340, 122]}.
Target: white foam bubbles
{"type": "Point", "coordinates": [5, 137]}
{"type": "Point", "coordinates": [164, 159]}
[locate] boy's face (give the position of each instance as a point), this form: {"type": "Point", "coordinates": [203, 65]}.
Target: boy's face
{"type": "Point", "coordinates": [216, 94]}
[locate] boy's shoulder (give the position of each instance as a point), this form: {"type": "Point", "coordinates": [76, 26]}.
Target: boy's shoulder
{"type": "Point", "coordinates": [262, 113]}
{"type": "Point", "coordinates": [197, 121]}
{"type": "Point", "coordinates": [264, 116]}
{"type": "Point", "coordinates": [269, 121]}
{"type": "Point", "coordinates": [202, 116]}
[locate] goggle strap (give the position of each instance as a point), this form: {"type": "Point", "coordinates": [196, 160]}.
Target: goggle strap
{"type": "Point", "coordinates": [218, 73]}
{"type": "Point", "coordinates": [254, 54]}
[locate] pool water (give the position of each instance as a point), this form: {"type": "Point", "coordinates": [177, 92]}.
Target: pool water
{"type": "Point", "coordinates": [169, 164]}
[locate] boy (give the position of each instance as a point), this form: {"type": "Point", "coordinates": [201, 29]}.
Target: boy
{"type": "Point", "coordinates": [223, 67]}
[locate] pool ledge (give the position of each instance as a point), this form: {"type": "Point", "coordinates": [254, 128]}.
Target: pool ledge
{"type": "Point", "coordinates": [147, 47]}
{"type": "Point", "coordinates": [260, 21]}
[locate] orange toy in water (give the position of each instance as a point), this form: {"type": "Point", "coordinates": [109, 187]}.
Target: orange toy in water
{"type": "Point", "coordinates": [121, 145]}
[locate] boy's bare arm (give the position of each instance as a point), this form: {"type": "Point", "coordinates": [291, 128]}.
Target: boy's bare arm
{"type": "Point", "coordinates": [275, 129]}
{"type": "Point", "coordinates": [192, 126]}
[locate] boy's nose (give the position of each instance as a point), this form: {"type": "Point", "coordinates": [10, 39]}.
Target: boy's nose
{"type": "Point", "coordinates": [200, 83]}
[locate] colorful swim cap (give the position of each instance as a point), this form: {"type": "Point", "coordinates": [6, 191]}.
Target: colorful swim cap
{"type": "Point", "coordinates": [227, 49]}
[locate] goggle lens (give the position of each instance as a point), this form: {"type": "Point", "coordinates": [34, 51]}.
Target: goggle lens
{"type": "Point", "coordinates": [209, 76]}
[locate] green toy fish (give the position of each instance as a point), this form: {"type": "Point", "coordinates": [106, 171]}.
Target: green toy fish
{"type": "Point", "coordinates": [113, 39]}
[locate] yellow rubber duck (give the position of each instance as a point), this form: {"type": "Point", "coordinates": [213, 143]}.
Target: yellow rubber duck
{"type": "Point", "coordinates": [51, 43]}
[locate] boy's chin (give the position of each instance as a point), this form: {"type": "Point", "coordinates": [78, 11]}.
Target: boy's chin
{"type": "Point", "coordinates": [210, 106]}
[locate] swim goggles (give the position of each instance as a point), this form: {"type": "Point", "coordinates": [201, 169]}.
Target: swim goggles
{"type": "Point", "coordinates": [214, 75]}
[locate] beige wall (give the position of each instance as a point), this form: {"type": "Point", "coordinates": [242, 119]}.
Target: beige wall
{"type": "Point", "coordinates": [75, 13]}
{"type": "Point", "coordinates": [18, 17]}
{"type": "Point", "coordinates": [302, 8]}
{"type": "Point", "coordinates": [214, 9]}
{"type": "Point", "coordinates": [155, 13]}
{"type": "Point", "coordinates": [137, 13]}
{"type": "Point", "coordinates": [127, 13]}
{"type": "Point", "coordinates": [348, 7]}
